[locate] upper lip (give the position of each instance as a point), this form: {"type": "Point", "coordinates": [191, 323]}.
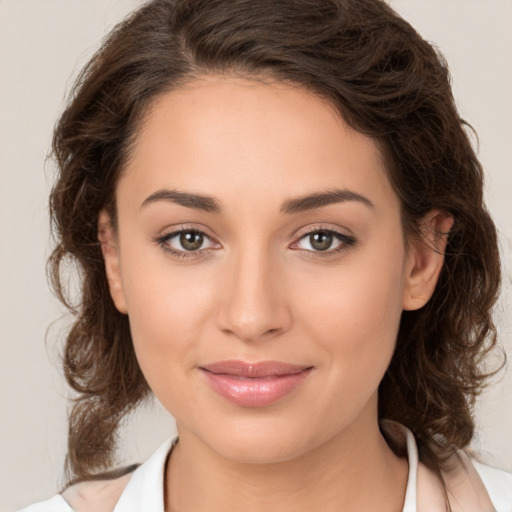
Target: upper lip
{"type": "Point", "coordinates": [255, 369]}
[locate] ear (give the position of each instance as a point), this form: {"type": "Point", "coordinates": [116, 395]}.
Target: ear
{"type": "Point", "coordinates": [110, 250]}
{"type": "Point", "coordinates": [426, 258]}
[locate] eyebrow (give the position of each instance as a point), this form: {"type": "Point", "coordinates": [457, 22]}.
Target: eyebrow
{"type": "Point", "coordinates": [211, 205]}
{"type": "Point", "coordinates": [321, 199]}
{"type": "Point", "coordinates": [195, 201]}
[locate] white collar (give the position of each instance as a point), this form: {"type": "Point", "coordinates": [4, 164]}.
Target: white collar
{"type": "Point", "coordinates": [410, 502]}
{"type": "Point", "coordinates": [145, 490]}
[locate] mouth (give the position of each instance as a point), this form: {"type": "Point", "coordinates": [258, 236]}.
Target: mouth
{"type": "Point", "coordinates": [254, 384]}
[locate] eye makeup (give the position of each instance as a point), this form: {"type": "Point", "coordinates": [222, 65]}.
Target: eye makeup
{"type": "Point", "coordinates": [184, 242]}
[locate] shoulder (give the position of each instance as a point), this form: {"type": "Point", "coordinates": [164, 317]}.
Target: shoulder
{"type": "Point", "coordinates": [55, 504]}
{"type": "Point", "coordinates": [471, 485]}
{"type": "Point", "coordinates": [136, 487]}
{"type": "Point", "coordinates": [91, 495]}
{"type": "Point", "coordinates": [498, 484]}
{"type": "Point", "coordinates": [96, 495]}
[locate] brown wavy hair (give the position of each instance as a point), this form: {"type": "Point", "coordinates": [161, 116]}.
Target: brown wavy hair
{"type": "Point", "coordinates": [386, 82]}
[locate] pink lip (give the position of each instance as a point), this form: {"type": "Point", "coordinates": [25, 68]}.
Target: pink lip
{"type": "Point", "coordinates": [254, 384]}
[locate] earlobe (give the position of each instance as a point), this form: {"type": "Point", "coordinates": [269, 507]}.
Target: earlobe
{"type": "Point", "coordinates": [110, 251]}
{"type": "Point", "coordinates": [426, 259]}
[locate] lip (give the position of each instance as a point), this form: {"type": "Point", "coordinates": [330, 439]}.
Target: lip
{"type": "Point", "coordinates": [255, 384]}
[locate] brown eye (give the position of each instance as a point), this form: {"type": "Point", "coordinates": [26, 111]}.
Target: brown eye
{"type": "Point", "coordinates": [327, 241]}
{"type": "Point", "coordinates": [321, 240]}
{"type": "Point", "coordinates": [191, 240]}
{"type": "Point", "coordinates": [187, 243]}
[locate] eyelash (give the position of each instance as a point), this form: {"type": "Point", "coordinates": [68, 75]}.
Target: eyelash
{"type": "Point", "coordinates": [346, 241]}
{"type": "Point", "coordinates": [163, 240]}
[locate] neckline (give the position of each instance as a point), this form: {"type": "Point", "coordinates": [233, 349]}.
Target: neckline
{"type": "Point", "coordinates": [145, 490]}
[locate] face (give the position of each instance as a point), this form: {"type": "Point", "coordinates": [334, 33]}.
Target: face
{"type": "Point", "coordinates": [261, 260]}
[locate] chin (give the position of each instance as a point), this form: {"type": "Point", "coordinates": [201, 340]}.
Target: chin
{"type": "Point", "coordinates": [266, 441]}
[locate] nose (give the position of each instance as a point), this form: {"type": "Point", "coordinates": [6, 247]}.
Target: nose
{"type": "Point", "coordinates": [253, 303]}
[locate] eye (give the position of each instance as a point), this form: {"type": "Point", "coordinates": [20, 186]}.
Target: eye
{"type": "Point", "coordinates": [324, 240]}
{"type": "Point", "coordinates": [186, 242]}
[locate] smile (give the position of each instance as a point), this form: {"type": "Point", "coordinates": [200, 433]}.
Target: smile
{"type": "Point", "coordinates": [254, 384]}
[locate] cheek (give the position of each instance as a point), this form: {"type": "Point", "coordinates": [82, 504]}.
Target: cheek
{"type": "Point", "coordinates": [354, 317]}
{"type": "Point", "coordinates": [168, 308]}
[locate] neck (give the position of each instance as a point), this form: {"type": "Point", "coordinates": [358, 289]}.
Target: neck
{"type": "Point", "coordinates": [336, 475]}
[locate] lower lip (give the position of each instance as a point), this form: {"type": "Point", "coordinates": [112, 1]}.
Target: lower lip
{"type": "Point", "coordinates": [255, 392]}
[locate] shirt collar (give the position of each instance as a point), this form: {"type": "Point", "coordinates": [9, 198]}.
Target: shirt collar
{"type": "Point", "coordinates": [145, 490]}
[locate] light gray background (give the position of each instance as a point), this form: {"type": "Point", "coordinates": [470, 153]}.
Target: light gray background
{"type": "Point", "coordinates": [43, 43]}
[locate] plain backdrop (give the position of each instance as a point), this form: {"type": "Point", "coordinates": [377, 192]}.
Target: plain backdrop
{"type": "Point", "coordinates": [43, 44]}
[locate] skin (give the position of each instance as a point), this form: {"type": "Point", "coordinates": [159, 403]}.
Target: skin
{"type": "Point", "coordinates": [259, 290]}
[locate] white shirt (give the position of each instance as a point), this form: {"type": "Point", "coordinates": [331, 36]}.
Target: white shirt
{"type": "Point", "coordinates": [145, 488]}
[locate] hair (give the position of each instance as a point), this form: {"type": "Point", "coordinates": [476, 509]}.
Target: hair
{"type": "Point", "coordinates": [386, 82]}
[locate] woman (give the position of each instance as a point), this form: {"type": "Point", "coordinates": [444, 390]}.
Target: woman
{"type": "Point", "coordinates": [279, 223]}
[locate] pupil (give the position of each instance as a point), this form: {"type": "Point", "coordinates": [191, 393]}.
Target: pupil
{"type": "Point", "coordinates": [321, 241]}
{"type": "Point", "coordinates": [191, 241]}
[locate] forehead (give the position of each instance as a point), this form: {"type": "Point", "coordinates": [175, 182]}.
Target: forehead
{"type": "Point", "coordinates": [222, 136]}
